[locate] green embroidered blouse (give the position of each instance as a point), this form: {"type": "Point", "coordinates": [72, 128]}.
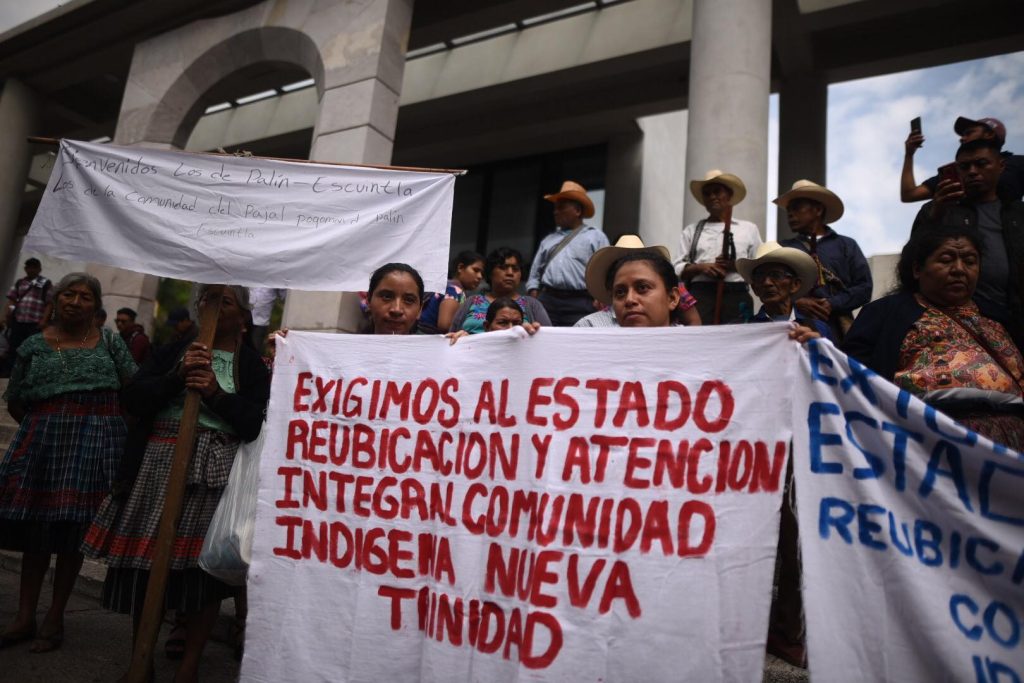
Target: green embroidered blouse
{"type": "Point", "coordinates": [41, 373]}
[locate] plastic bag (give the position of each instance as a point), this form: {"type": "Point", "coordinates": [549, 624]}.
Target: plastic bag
{"type": "Point", "coordinates": [227, 548]}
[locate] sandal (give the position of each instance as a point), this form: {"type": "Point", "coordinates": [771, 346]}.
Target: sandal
{"type": "Point", "coordinates": [48, 643]}
{"type": "Point", "coordinates": [14, 637]}
{"type": "Point", "coordinates": [174, 647]}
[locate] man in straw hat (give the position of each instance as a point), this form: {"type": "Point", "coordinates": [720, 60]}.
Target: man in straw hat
{"type": "Point", "coordinates": [701, 263]}
{"type": "Point", "coordinates": [844, 278]}
{"type": "Point", "coordinates": [557, 274]}
{"type": "Point", "coordinates": [779, 276]}
{"type": "Point", "coordinates": [597, 271]}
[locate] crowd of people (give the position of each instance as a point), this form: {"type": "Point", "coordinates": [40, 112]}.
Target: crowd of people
{"type": "Point", "coordinates": [81, 480]}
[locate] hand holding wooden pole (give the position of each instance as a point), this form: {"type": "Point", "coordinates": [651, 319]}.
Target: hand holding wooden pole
{"type": "Point", "coordinates": [727, 253]}
{"type": "Point", "coordinates": [153, 608]}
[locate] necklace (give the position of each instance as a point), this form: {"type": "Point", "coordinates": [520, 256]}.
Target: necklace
{"type": "Point", "coordinates": [80, 345]}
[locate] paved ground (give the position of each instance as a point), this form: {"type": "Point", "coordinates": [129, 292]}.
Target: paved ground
{"type": "Point", "coordinates": [97, 643]}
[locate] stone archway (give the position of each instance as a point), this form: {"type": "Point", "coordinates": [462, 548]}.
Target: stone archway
{"type": "Point", "coordinates": [355, 51]}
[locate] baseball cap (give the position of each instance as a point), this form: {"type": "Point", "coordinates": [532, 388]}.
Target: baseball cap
{"type": "Point", "coordinates": [994, 125]}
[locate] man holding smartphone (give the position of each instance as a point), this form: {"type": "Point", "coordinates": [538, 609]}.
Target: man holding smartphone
{"type": "Point", "coordinates": [1011, 183]}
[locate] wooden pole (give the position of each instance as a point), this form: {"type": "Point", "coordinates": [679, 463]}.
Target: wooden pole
{"type": "Point", "coordinates": [55, 142]}
{"type": "Point", "coordinates": [153, 607]}
{"type": "Point", "coordinates": [720, 290]}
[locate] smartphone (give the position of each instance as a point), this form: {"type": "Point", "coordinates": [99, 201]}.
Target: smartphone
{"type": "Point", "coordinates": [948, 172]}
{"type": "Point", "coordinates": [915, 126]}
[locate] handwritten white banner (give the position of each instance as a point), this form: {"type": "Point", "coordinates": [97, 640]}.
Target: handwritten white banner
{"type": "Point", "coordinates": [238, 220]}
{"type": "Point", "coordinates": [911, 532]}
{"type": "Point", "coordinates": [520, 509]}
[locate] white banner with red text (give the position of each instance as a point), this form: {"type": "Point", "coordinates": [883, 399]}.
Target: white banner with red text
{"type": "Point", "coordinates": [242, 220]}
{"type": "Point", "coordinates": [567, 506]}
{"type": "Point", "coordinates": [911, 534]}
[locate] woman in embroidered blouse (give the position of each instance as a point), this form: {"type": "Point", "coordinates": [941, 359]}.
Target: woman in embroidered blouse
{"type": "Point", "coordinates": [930, 339]}
{"type": "Point", "coordinates": [503, 272]}
{"type": "Point", "coordinates": [64, 457]}
{"type": "Point", "coordinates": [234, 385]}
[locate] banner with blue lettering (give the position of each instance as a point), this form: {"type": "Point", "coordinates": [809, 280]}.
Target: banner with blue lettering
{"type": "Point", "coordinates": [911, 533]}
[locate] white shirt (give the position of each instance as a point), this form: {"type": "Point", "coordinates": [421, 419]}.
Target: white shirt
{"type": "Point", "coordinates": [709, 247]}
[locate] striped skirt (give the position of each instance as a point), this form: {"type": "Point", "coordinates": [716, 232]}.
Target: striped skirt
{"type": "Point", "coordinates": [58, 470]}
{"type": "Point", "coordinates": [124, 532]}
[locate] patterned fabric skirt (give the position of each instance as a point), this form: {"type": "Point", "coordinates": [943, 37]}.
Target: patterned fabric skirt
{"type": "Point", "coordinates": [58, 469]}
{"type": "Point", "coordinates": [124, 531]}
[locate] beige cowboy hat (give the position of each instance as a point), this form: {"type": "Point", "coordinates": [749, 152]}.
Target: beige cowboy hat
{"type": "Point", "coordinates": [605, 257]}
{"type": "Point", "coordinates": [573, 191]}
{"type": "Point", "coordinates": [809, 189]}
{"type": "Point", "coordinates": [800, 262]}
{"type": "Point", "coordinates": [739, 190]}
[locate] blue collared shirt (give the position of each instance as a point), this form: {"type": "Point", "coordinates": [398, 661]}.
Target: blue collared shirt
{"type": "Point", "coordinates": [568, 269]}
{"type": "Point", "coordinates": [842, 256]}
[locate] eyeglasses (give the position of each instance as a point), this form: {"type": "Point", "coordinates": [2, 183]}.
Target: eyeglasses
{"type": "Point", "coordinates": [775, 275]}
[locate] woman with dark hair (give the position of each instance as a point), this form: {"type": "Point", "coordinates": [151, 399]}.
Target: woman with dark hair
{"type": "Point", "coordinates": [639, 284]}
{"type": "Point", "coordinates": [440, 307]}
{"type": "Point", "coordinates": [504, 272]}
{"type": "Point", "coordinates": [234, 385]}
{"type": "Point", "coordinates": [64, 456]}
{"type": "Point", "coordinates": [930, 339]}
{"type": "Point", "coordinates": [503, 314]}
{"type": "Point", "coordinates": [394, 299]}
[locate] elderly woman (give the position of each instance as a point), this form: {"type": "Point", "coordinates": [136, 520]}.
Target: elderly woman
{"type": "Point", "coordinates": [930, 339]}
{"type": "Point", "coordinates": [503, 272]}
{"type": "Point", "coordinates": [64, 457]}
{"type": "Point", "coordinates": [234, 385]}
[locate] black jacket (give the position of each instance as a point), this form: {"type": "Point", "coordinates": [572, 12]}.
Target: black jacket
{"type": "Point", "coordinates": [878, 332]}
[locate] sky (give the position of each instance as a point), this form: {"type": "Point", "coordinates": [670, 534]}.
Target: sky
{"type": "Point", "coordinates": [868, 122]}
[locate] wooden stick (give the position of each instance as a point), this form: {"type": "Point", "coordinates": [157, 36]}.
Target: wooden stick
{"type": "Point", "coordinates": [55, 142]}
{"type": "Point", "coordinates": [153, 607]}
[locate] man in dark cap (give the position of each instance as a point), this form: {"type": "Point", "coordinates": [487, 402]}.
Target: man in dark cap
{"type": "Point", "coordinates": [1011, 182]}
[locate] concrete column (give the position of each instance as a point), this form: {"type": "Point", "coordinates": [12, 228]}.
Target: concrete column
{"type": "Point", "coordinates": [730, 69]}
{"type": "Point", "coordinates": [356, 123]}
{"type": "Point", "coordinates": [17, 116]}
{"type": "Point", "coordinates": [623, 181]}
{"type": "Point", "coordinates": [803, 120]}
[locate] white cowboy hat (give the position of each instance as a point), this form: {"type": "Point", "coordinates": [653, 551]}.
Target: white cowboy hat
{"type": "Point", "coordinates": [605, 257]}
{"type": "Point", "coordinates": [574, 192]}
{"type": "Point", "coordinates": [739, 190]}
{"type": "Point", "coordinates": [808, 189]}
{"type": "Point", "coordinates": [800, 262]}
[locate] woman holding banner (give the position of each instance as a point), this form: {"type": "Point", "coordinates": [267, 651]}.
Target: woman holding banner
{"type": "Point", "coordinates": [930, 339]}
{"type": "Point", "coordinates": [504, 272]}
{"type": "Point", "coordinates": [64, 456]}
{"type": "Point", "coordinates": [234, 385]}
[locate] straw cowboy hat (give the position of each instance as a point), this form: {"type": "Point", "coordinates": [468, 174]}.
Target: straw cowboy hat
{"type": "Point", "coordinates": [808, 189]}
{"type": "Point", "coordinates": [601, 262]}
{"type": "Point", "coordinates": [739, 190]}
{"type": "Point", "coordinates": [573, 192]}
{"type": "Point", "coordinates": [800, 262]}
